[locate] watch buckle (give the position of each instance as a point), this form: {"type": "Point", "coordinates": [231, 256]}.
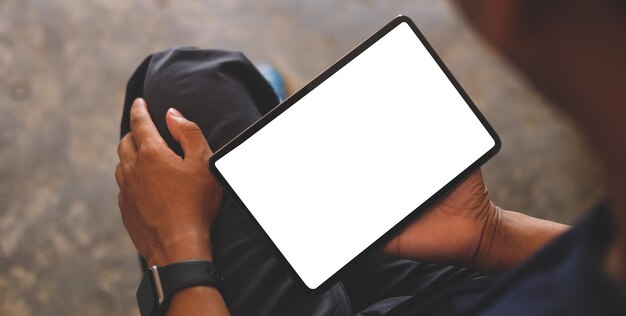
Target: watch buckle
{"type": "Point", "coordinates": [157, 284]}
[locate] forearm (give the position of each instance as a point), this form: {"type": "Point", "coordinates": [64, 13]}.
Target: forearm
{"type": "Point", "coordinates": [511, 239]}
{"type": "Point", "coordinates": [199, 300]}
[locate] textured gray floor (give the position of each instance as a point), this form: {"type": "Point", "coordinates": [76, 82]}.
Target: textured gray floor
{"type": "Point", "coordinates": [63, 69]}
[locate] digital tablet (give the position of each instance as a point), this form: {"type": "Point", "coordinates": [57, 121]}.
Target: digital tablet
{"type": "Point", "coordinates": [341, 166]}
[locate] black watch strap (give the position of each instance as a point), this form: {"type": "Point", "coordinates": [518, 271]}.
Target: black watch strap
{"type": "Point", "coordinates": [161, 283]}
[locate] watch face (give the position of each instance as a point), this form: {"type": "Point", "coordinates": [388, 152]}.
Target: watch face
{"type": "Point", "coordinates": [146, 295]}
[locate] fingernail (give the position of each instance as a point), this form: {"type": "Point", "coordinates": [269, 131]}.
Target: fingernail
{"type": "Point", "coordinates": [139, 100]}
{"type": "Point", "coordinates": [174, 112]}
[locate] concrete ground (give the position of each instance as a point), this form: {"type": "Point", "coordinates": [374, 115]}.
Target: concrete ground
{"type": "Point", "coordinates": [63, 69]}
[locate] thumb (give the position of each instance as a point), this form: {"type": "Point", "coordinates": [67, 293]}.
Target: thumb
{"type": "Point", "coordinates": [188, 134]}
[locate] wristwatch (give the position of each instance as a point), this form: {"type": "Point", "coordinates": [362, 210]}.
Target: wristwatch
{"type": "Point", "coordinates": [160, 283]}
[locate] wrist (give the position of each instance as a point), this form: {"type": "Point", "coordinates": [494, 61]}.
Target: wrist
{"type": "Point", "coordinates": [162, 287]}
{"type": "Point", "coordinates": [510, 238]}
{"type": "Point", "coordinates": [184, 247]}
{"type": "Point", "coordinates": [484, 252]}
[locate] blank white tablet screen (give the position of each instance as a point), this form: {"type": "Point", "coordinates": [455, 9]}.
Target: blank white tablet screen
{"type": "Point", "coordinates": [352, 158]}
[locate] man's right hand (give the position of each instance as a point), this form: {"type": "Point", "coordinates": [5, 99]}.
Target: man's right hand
{"type": "Point", "coordinates": [466, 228]}
{"type": "Point", "coordinates": [168, 202]}
{"type": "Point", "coordinates": [456, 230]}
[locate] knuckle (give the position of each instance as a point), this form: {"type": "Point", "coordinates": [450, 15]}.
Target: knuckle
{"type": "Point", "coordinates": [126, 138]}
{"type": "Point", "coordinates": [126, 173]}
{"type": "Point", "coordinates": [137, 117]}
{"type": "Point", "coordinates": [191, 126]}
{"type": "Point", "coordinates": [148, 150]}
{"type": "Point", "coordinates": [126, 168]}
{"type": "Point", "coordinates": [118, 174]}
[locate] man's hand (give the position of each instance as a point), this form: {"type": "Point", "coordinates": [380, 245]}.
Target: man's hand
{"type": "Point", "coordinates": [466, 228]}
{"type": "Point", "coordinates": [457, 230]}
{"type": "Point", "coordinates": [168, 202]}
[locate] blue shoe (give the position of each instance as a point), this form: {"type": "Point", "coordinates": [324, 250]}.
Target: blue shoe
{"type": "Point", "coordinates": [274, 78]}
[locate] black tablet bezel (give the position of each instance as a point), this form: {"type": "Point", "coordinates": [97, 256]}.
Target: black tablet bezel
{"type": "Point", "coordinates": [243, 136]}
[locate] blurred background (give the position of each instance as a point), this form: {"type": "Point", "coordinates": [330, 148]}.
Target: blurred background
{"type": "Point", "coordinates": [63, 71]}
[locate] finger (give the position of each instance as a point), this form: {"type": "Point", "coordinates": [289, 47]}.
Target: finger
{"type": "Point", "coordinates": [127, 149]}
{"type": "Point", "coordinates": [119, 175]}
{"type": "Point", "coordinates": [188, 134]}
{"type": "Point", "coordinates": [142, 126]}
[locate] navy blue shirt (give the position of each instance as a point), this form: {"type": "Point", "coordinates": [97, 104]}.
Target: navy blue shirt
{"type": "Point", "coordinates": [564, 278]}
